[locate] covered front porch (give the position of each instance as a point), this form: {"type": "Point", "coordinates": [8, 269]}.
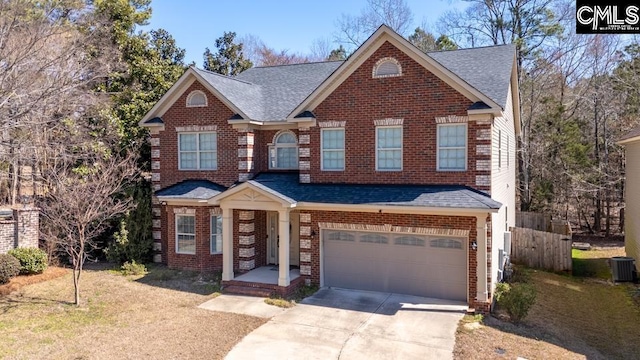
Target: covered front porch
{"type": "Point", "coordinates": [260, 240]}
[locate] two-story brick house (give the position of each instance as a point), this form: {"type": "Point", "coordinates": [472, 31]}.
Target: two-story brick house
{"type": "Point", "coordinates": [391, 171]}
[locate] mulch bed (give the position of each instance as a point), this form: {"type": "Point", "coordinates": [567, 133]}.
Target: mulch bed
{"type": "Point", "coordinates": [21, 281]}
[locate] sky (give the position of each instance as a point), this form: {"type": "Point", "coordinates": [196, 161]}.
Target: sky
{"type": "Point", "coordinates": [280, 24]}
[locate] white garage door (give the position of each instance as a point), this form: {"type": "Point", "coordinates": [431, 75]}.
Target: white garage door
{"type": "Point", "coordinates": [430, 266]}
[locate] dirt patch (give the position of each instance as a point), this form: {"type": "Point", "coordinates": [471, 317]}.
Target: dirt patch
{"type": "Point", "coordinates": [21, 281]}
{"type": "Point", "coordinates": [121, 317]}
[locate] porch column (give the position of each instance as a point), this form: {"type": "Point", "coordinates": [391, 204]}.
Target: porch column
{"type": "Point", "coordinates": [283, 251]}
{"type": "Point", "coordinates": [481, 258]}
{"type": "Point", "coordinates": [227, 244]}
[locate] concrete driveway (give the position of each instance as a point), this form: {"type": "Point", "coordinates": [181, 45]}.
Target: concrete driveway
{"type": "Point", "coordinates": [350, 324]}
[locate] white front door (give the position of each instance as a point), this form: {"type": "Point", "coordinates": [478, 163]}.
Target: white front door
{"type": "Point", "coordinates": [272, 237]}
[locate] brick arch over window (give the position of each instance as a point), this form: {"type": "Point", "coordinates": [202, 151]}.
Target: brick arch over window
{"type": "Point", "coordinates": [196, 98]}
{"type": "Point", "coordinates": [387, 67]}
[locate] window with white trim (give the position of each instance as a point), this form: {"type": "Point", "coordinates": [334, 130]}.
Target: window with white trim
{"type": "Point", "coordinates": [387, 67]}
{"type": "Point", "coordinates": [196, 99]}
{"type": "Point", "coordinates": [283, 154]}
{"type": "Point", "coordinates": [198, 151]}
{"type": "Point", "coordinates": [452, 147]}
{"type": "Point", "coordinates": [499, 149]}
{"type": "Point", "coordinates": [216, 234]}
{"type": "Point", "coordinates": [186, 234]}
{"type": "Point", "coordinates": [332, 144]}
{"type": "Point", "coordinates": [508, 151]}
{"type": "Point", "coordinates": [389, 148]}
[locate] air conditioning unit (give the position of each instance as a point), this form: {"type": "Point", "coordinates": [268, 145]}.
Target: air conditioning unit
{"type": "Point", "coordinates": [623, 268]}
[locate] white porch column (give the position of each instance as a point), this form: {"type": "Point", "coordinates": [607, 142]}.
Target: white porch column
{"type": "Point", "coordinates": [227, 244]}
{"type": "Point", "coordinates": [481, 267]}
{"type": "Point", "coordinates": [283, 251]}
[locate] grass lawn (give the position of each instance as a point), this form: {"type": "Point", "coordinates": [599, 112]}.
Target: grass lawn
{"type": "Point", "coordinates": [575, 317]}
{"type": "Point", "coordinates": [151, 316]}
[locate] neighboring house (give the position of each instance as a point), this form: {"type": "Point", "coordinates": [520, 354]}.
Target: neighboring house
{"type": "Point", "coordinates": [631, 142]}
{"type": "Point", "coordinates": [391, 171]}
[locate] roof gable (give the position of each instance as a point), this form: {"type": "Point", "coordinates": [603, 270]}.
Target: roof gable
{"type": "Point", "coordinates": [189, 77]}
{"type": "Point", "coordinates": [440, 67]}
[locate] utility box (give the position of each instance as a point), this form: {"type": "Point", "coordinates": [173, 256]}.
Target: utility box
{"type": "Point", "coordinates": [623, 268]}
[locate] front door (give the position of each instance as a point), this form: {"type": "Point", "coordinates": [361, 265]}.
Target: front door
{"type": "Point", "coordinates": [273, 241]}
{"type": "Point", "coordinates": [272, 237]}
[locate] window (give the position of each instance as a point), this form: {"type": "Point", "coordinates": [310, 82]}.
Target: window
{"type": "Point", "coordinates": [452, 147]}
{"type": "Point", "coordinates": [446, 243]}
{"type": "Point", "coordinates": [196, 99]}
{"type": "Point", "coordinates": [499, 149]}
{"type": "Point", "coordinates": [508, 151]}
{"type": "Point", "coordinates": [387, 67]}
{"type": "Point", "coordinates": [409, 240]}
{"type": "Point", "coordinates": [340, 236]}
{"type": "Point", "coordinates": [283, 154]}
{"type": "Point", "coordinates": [374, 238]}
{"type": "Point", "coordinates": [216, 234]}
{"type": "Point", "coordinates": [389, 148]}
{"type": "Point", "coordinates": [185, 234]}
{"type": "Point", "coordinates": [198, 151]}
{"type": "Point", "coordinates": [332, 141]}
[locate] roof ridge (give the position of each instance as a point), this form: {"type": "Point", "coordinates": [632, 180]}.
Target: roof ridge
{"type": "Point", "coordinates": [223, 76]}
{"type": "Point", "coordinates": [470, 48]}
{"type": "Point", "coordinates": [303, 63]}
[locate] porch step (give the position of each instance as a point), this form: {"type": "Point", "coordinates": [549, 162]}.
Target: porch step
{"type": "Point", "coordinates": [247, 290]}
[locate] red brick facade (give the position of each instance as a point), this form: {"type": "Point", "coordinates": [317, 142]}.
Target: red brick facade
{"type": "Point", "coordinates": [417, 97]}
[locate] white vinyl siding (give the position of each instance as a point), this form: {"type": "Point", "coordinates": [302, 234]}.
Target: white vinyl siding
{"type": "Point", "coordinates": [198, 151]}
{"type": "Point", "coordinates": [452, 147]}
{"type": "Point", "coordinates": [389, 148]}
{"type": "Point", "coordinates": [216, 234]}
{"type": "Point", "coordinates": [503, 183]}
{"type": "Point", "coordinates": [185, 234]}
{"type": "Point", "coordinates": [332, 143]}
{"type": "Point", "coordinates": [283, 154]}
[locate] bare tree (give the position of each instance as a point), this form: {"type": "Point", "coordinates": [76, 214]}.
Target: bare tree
{"type": "Point", "coordinates": [48, 63]}
{"type": "Point", "coordinates": [354, 29]}
{"type": "Point", "coordinates": [84, 192]}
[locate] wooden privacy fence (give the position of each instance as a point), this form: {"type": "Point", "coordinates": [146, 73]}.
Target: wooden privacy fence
{"type": "Point", "coordinates": [542, 222]}
{"type": "Point", "coordinates": [540, 249]}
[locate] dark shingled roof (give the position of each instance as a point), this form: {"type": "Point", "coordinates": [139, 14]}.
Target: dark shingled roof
{"type": "Point", "coordinates": [271, 93]}
{"type": "Point", "coordinates": [284, 87]}
{"type": "Point", "coordinates": [191, 189]}
{"type": "Point", "coordinates": [631, 134]}
{"type": "Point", "coordinates": [444, 196]}
{"type": "Point", "coordinates": [487, 69]}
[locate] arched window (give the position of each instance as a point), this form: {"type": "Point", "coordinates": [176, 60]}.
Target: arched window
{"type": "Point", "coordinates": [283, 153]}
{"type": "Point", "coordinates": [196, 99]}
{"type": "Point", "coordinates": [387, 67]}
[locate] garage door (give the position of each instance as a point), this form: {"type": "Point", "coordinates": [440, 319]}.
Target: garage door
{"type": "Point", "coordinates": [412, 264]}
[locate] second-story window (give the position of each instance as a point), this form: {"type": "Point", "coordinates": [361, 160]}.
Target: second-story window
{"type": "Point", "coordinates": [332, 141]}
{"type": "Point", "coordinates": [389, 148]}
{"type": "Point", "coordinates": [283, 154]}
{"type": "Point", "coordinates": [198, 151]}
{"type": "Point", "coordinates": [452, 147]}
